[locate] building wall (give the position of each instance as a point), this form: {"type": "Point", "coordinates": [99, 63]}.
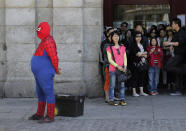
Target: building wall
{"type": "Point", "coordinates": [20, 42]}
{"type": "Point", "coordinates": [76, 26]}
{"type": "Point", "coordinates": [3, 62]}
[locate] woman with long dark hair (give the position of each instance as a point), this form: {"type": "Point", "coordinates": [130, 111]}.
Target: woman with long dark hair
{"type": "Point", "coordinates": [118, 60]}
{"type": "Point", "coordinates": [138, 57]}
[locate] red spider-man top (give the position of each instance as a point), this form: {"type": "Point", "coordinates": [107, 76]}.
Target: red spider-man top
{"type": "Point", "coordinates": [47, 44]}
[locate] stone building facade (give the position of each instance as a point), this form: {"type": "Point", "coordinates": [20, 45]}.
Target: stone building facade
{"type": "Point", "coordinates": [76, 26]}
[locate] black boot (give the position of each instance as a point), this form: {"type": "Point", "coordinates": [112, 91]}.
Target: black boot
{"type": "Point", "coordinates": [35, 117]}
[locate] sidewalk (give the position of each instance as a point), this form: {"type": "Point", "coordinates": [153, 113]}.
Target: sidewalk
{"type": "Point", "coordinates": [151, 113]}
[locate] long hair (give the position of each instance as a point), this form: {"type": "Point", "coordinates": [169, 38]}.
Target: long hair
{"type": "Point", "coordinates": [156, 32]}
{"type": "Point", "coordinates": [112, 34]}
{"type": "Point", "coordinates": [110, 28]}
{"type": "Point", "coordinates": [136, 33]}
{"type": "Point", "coordinates": [152, 39]}
{"type": "Point", "coordinates": [129, 30]}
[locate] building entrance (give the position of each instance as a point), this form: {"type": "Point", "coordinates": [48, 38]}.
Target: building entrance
{"type": "Point", "coordinates": [146, 15]}
{"type": "Point", "coordinates": [145, 12]}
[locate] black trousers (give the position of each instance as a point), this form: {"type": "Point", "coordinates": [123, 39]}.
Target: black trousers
{"type": "Point", "coordinates": [138, 79]}
{"type": "Point", "coordinates": [174, 67]}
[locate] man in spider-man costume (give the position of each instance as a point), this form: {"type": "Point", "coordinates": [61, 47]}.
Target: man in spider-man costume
{"type": "Point", "coordinates": [44, 65]}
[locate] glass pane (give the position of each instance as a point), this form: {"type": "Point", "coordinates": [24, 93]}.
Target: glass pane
{"type": "Point", "coordinates": [146, 15]}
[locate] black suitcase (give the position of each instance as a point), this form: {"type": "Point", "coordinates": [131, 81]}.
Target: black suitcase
{"type": "Point", "coordinates": [68, 105]}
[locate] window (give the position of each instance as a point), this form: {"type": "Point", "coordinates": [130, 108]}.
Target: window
{"type": "Point", "coordinates": [146, 15]}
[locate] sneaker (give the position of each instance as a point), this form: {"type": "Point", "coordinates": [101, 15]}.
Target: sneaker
{"type": "Point", "coordinates": [116, 99]}
{"type": "Point", "coordinates": [106, 101]}
{"type": "Point", "coordinates": [135, 95]}
{"type": "Point", "coordinates": [35, 117]}
{"type": "Point", "coordinates": [122, 103]}
{"type": "Point", "coordinates": [47, 119]}
{"type": "Point", "coordinates": [114, 103]}
{"type": "Point", "coordinates": [177, 93]}
{"type": "Point", "coordinates": [143, 94]}
{"type": "Point", "coordinates": [153, 93]}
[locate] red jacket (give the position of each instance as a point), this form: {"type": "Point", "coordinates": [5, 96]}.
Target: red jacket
{"type": "Point", "coordinates": [158, 54]}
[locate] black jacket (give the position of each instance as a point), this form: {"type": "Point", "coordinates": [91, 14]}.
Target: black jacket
{"type": "Point", "coordinates": [134, 50]}
{"type": "Point", "coordinates": [103, 47]}
{"type": "Point", "coordinates": [180, 37]}
{"type": "Point", "coordinates": [103, 43]}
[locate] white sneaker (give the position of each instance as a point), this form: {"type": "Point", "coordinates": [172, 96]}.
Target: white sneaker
{"type": "Point", "coordinates": [143, 94]}
{"type": "Point", "coordinates": [177, 93]}
{"type": "Point", "coordinates": [135, 95]}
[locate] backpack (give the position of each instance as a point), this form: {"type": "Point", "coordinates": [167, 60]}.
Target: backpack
{"type": "Point", "coordinates": [106, 62]}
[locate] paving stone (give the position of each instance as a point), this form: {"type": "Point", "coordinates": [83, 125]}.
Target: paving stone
{"type": "Point", "coordinates": [99, 116]}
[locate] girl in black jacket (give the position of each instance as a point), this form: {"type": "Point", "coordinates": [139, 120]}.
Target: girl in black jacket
{"type": "Point", "coordinates": [139, 65]}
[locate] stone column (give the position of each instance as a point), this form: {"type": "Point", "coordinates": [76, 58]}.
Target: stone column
{"type": "Point", "coordinates": [92, 32]}
{"type": "Point", "coordinates": [68, 33]}
{"type": "Point", "coordinates": [77, 26]}
{"type": "Point", "coordinates": [43, 13]}
{"type": "Point", "coordinates": [20, 41]}
{"type": "Point", "coordinates": [3, 69]}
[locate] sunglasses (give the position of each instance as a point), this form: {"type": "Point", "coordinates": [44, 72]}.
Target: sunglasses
{"type": "Point", "coordinates": [124, 25]}
{"type": "Point", "coordinates": [118, 51]}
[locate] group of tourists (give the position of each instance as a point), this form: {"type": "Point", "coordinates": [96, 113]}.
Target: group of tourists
{"type": "Point", "coordinates": [147, 54]}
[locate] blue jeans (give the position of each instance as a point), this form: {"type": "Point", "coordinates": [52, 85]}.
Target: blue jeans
{"type": "Point", "coordinates": [113, 85]}
{"type": "Point", "coordinates": [154, 72]}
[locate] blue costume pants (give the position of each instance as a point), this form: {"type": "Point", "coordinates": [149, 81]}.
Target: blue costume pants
{"type": "Point", "coordinates": [44, 72]}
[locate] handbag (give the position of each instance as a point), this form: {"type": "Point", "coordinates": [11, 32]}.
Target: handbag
{"type": "Point", "coordinates": [122, 76]}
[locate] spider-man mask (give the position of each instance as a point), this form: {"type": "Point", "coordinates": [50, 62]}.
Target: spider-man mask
{"type": "Point", "coordinates": [43, 30]}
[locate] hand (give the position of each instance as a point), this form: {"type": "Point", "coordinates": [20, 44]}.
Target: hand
{"type": "Point", "coordinates": [139, 54]}
{"type": "Point", "coordinates": [152, 50]}
{"type": "Point", "coordinates": [120, 68]}
{"type": "Point", "coordinates": [171, 48]}
{"type": "Point", "coordinates": [124, 69]}
{"type": "Point", "coordinates": [145, 53]}
{"type": "Point", "coordinates": [166, 44]}
{"type": "Point", "coordinates": [59, 71]}
{"type": "Point", "coordinates": [145, 56]}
